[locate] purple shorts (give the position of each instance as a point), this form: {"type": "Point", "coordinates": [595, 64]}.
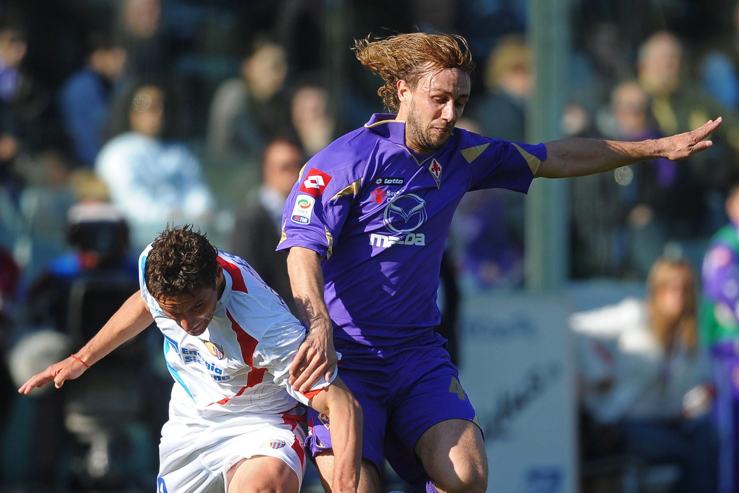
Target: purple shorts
{"type": "Point", "coordinates": [403, 391]}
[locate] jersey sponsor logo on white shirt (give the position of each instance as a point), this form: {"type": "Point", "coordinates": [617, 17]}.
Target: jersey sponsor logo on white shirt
{"type": "Point", "coordinates": [303, 209]}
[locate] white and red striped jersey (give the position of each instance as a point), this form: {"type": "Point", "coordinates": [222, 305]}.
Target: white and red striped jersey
{"type": "Point", "coordinates": [240, 363]}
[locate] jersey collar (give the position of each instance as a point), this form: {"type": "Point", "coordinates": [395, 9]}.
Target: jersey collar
{"type": "Point", "coordinates": [228, 284]}
{"type": "Point", "coordinates": [385, 125]}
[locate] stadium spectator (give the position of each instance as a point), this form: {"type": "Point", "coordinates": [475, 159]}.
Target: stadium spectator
{"type": "Point", "coordinates": [98, 241]}
{"type": "Point", "coordinates": [718, 68]}
{"type": "Point", "coordinates": [312, 121]}
{"type": "Point", "coordinates": [154, 182]}
{"type": "Point", "coordinates": [86, 97]}
{"type": "Point", "coordinates": [13, 48]}
{"type": "Point", "coordinates": [249, 110]}
{"type": "Point", "coordinates": [509, 85]}
{"type": "Point", "coordinates": [223, 327]}
{"type": "Point", "coordinates": [720, 326]}
{"type": "Point", "coordinates": [619, 218]}
{"type": "Point", "coordinates": [366, 226]}
{"type": "Point", "coordinates": [598, 64]}
{"type": "Point", "coordinates": [494, 242]}
{"type": "Point", "coordinates": [139, 27]}
{"type": "Point", "coordinates": [644, 376]}
{"type": "Point", "coordinates": [676, 106]}
{"type": "Point", "coordinates": [280, 165]}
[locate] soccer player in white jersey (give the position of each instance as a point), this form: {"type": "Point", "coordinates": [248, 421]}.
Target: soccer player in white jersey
{"type": "Point", "coordinates": [234, 421]}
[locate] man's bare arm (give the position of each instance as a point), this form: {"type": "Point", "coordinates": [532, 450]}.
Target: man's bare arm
{"type": "Point", "coordinates": [580, 157]}
{"type": "Point", "coordinates": [345, 415]}
{"type": "Point", "coordinates": [127, 322]}
{"type": "Point", "coordinates": [316, 357]}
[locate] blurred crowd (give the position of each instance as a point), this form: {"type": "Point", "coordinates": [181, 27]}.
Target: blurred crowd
{"type": "Point", "coordinates": [119, 117]}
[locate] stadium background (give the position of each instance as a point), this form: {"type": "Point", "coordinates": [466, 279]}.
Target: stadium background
{"type": "Point", "coordinates": [521, 267]}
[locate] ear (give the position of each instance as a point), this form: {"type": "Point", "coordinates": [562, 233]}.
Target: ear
{"type": "Point", "coordinates": [405, 94]}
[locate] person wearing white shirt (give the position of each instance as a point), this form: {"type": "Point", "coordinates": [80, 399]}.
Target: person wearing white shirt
{"type": "Point", "coordinates": [642, 371]}
{"type": "Point", "coordinates": [153, 181]}
{"type": "Point", "coordinates": [229, 340]}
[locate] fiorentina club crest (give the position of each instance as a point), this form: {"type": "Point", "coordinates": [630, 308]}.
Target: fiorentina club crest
{"type": "Point", "coordinates": [435, 170]}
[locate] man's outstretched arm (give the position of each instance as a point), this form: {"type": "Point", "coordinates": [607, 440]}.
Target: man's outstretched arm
{"type": "Point", "coordinates": [579, 156]}
{"type": "Point", "coordinates": [127, 322]}
{"type": "Point", "coordinates": [316, 357]}
{"type": "Point", "coordinates": [345, 415]}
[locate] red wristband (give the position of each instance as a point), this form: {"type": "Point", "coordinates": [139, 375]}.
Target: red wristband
{"type": "Point", "coordinates": [79, 359]}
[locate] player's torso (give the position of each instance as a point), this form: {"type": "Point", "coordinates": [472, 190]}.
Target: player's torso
{"type": "Point", "coordinates": [405, 205]}
{"type": "Point", "coordinates": [384, 271]}
{"type": "Point", "coordinates": [215, 368]}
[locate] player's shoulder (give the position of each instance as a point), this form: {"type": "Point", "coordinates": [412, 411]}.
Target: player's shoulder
{"type": "Point", "coordinates": [342, 162]}
{"type": "Point", "coordinates": [464, 138]}
{"type": "Point", "coordinates": [343, 152]}
{"type": "Point", "coordinates": [237, 268]}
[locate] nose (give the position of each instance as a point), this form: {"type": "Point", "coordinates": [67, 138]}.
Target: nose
{"type": "Point", "coordinates": [187, 323]}
{"type": "Point", "coordinates": [450, 112]}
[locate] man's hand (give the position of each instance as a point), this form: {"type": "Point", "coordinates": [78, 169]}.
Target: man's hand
{"type": "Point", "coordinates": [59, 372]}
{"type": "Point", "coordinates": [683, 145]}
{"type": "Point", "coordinates": [315, 358]}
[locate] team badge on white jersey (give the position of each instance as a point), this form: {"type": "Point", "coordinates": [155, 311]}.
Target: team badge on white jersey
{"type": "Point", "coordinates": [214, 349]}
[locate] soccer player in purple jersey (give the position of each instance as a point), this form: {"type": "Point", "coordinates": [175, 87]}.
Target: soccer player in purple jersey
{"type": "Point", "coordinates": [366, 225]}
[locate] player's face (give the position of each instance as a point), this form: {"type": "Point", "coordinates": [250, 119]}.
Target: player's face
{"type": "Point", "coordinates": [193, 311]}
{"type": "Point", "coordinates": [432, 108]}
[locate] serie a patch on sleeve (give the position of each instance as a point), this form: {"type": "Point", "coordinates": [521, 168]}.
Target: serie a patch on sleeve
{"type": "Point", "coordinates": [303, 209]}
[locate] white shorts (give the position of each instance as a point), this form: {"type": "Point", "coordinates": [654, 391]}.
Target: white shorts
{"type": "Point", "coordinates": [195, 454]}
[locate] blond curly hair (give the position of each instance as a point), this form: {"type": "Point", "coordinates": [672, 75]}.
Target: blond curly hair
{"type": "Point", "coordinates": [408, 57]}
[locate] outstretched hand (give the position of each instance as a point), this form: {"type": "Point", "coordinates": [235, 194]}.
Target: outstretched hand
{"type": "Point", "coordinates": [59, 372]}
{"type": "Point", "coordinates": [683, 145]}
{"type": "Point", "coordinates": [315, 358]}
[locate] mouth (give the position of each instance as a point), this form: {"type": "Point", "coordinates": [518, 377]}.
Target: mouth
{"type": "Point", "coordinates": [442, 130]}
{"type": "Point", "coordinates": [196, 331]}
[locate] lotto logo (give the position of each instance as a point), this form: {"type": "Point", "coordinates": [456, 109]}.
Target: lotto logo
{"type": "Point", "coordinates": [315, 182]}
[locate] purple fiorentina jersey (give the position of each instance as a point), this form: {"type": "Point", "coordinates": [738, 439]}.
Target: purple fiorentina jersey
{"type": "Point", "coordinates": [379, 215]}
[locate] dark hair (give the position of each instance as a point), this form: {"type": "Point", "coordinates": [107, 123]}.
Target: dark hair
{"type": "Point", "coordinates": [181, 261]}
{"type": "Point", "coordinates": [410, 56]}
{"type": "Point", "coordinates": [12, 20]}
{"type": "Point", "coordinates": [102, 40]}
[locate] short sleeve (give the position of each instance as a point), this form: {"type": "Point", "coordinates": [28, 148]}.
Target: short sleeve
{"type": "Point", "coordinates": [317, 208]}
{"type": "Point", "coordinates": [275, 352]}
{"type": "Point", "coordinates": [502, 164]}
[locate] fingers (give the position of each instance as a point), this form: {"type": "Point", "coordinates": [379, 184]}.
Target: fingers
{"type": "Point", "coordinates": [59, 379]}
{"type": "Point", "coordinates": [298, 363]}
{"type": "Point", "coordinates": [700, 146]}
{"type": "Point", "coordinates": [710, 126]}
{"type": "Point", "coordinates": [38, 380]}
{"type": "Point", "coordinates": [309, 376]}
